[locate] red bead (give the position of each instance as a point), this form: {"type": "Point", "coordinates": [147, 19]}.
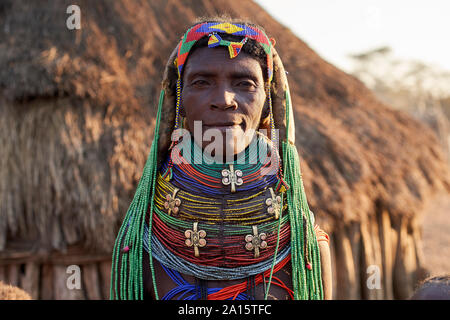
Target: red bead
{"type": "Point", "coordinates": [309, 266]}
{"type": "Point", "coordinates": [126, 249]}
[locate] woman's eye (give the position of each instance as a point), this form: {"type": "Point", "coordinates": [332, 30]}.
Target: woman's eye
{"type": "Point", "coordinates": [246, 84]}
{"type": "Point", "coordinates": [200, 83]}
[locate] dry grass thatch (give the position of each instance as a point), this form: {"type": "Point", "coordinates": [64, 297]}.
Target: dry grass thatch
{"type": "Point", "coordinates": [76, 123]}
{"type": "Point", "coordinates": [8, 292]}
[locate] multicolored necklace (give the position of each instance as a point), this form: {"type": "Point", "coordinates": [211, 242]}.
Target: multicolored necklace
{"type": "Point", "coordinates": [257, 166]}
{"type": "Point", "coordinates": [216, 223]}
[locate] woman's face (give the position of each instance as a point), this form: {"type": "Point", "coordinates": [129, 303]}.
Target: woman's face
{"type": "Point", "coordinates": [226, 95]}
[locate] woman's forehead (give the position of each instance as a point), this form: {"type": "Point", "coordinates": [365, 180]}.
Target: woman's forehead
{"type": "Point", "coordinates": [214, 61]}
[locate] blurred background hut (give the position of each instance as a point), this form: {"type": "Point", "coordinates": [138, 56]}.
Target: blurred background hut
{"type": "Point", "coordinates": [76, 123]}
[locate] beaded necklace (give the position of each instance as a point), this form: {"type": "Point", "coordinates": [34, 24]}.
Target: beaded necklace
{"type": "Point", "coordinates": [239, 230]}
{"type": "Point", "coordinates": [255, 208]}
{"type": "Point", "coordinates": [169, 259]}
{"type": "Point", "coordinates": [228, 246]}
{"type": "Point", "coordinates": [252, 169]}
{"type": "Point", "coordinates": [186, 291]}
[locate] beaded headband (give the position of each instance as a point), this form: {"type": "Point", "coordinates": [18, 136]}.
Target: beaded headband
{"type": "Point", "coordinates": [212, 28]}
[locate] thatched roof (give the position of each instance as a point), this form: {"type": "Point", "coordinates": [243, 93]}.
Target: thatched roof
{"type": "Point", "coordinates": [76, 120]}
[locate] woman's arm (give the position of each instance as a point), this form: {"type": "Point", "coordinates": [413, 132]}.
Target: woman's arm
{"type": "Point", "coordinates": [325, 261]}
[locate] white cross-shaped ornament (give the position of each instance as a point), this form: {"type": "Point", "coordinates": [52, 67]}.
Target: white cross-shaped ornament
{"type": "Point", "coordinates": [233, 177]}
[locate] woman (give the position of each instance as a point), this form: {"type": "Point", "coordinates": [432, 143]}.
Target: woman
{"type": "Point", "coordinates": [220, 211]}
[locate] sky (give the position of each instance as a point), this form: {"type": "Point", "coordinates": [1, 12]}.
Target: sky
{"type": "Point", "coordinates": [414, 29]}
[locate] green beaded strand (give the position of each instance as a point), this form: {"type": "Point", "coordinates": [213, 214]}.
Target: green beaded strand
{"type": "Point", "coordinates": [307, 283]}
{"type": "Point", "coordinates": [129, 285]}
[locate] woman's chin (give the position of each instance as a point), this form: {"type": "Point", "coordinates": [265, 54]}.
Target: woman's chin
{"type": "Point", "coordinates": [227, 145]}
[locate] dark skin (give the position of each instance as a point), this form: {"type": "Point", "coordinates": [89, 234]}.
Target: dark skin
{"type": "Point", "coordinates": [225, 94]}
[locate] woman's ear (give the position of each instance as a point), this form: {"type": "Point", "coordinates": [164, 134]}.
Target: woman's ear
{"type": "Point", "coordinates": [265, 119]}
{"type": "Point", "coordinates": [265, 111]}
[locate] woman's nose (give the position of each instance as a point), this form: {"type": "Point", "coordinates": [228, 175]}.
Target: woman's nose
{"type": "Point", "coordinates": [224, 98]}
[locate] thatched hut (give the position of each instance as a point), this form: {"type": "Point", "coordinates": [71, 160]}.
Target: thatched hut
{"type": "Point", "coordinates": [8, 292]}
{"type": "Point", "coordinates": [76, 123]}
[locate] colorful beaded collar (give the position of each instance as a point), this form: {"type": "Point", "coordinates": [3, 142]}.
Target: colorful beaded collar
{"type": "Point", "coordinates": [256, 167]}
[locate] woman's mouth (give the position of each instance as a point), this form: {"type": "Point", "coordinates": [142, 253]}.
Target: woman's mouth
{"type": "Point", "coordinates": [225, 126]}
